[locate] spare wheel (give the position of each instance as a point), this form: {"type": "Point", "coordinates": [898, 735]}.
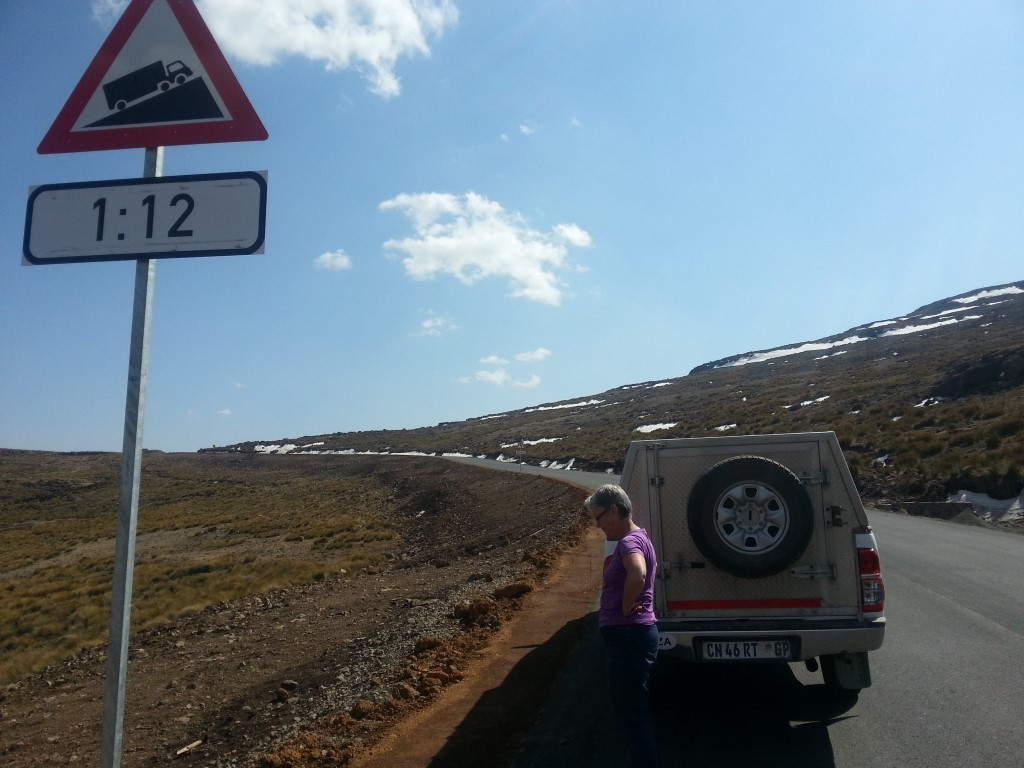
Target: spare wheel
{"type": "Point", "coordinates": [750, 516]}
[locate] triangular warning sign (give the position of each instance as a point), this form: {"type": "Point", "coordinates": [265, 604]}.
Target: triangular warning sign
{"type": "Point", "coordinates": [159, 79]}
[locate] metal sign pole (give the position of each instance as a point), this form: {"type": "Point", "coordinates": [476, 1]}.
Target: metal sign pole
{"type": "Point", "coordinates": [128, 506]}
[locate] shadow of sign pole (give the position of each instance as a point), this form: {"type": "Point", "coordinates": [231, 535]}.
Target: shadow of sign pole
{"type": "Point", "coordinates": [128, 505]}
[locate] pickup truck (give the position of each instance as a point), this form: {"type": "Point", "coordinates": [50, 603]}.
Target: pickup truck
{"type": "Point", "coordinates": [765, 553]}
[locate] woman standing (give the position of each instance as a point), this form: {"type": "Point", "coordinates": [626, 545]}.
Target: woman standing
{"type": "Point", "coordinates": [626, 619]}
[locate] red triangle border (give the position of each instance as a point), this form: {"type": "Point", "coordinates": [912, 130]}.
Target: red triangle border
{"type": "Point", "coordinates": [245, 124]}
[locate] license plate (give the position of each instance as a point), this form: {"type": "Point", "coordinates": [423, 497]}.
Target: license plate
{"type": "Point", "coordinates": [765, 649]}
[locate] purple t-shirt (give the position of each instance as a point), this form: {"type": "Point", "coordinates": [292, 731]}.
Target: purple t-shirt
{"type": "Point", "coordinates": [610, 614]}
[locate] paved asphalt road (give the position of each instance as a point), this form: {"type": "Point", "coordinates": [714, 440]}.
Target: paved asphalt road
{"type": "Point", "coordinates": [948, 682]}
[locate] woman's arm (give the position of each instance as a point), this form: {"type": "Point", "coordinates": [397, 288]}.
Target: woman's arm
{"type": "Point", "coordinates": [632, 589]}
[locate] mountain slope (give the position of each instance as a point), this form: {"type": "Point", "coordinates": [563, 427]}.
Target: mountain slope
{"type": "Point", "coordinates": [923, 404]}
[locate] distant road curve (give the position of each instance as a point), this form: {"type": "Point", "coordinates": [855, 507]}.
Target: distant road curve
{"type": "Point", "coordinates": [947, 682]}
{"type": "Point", "coordinates": [590, 480]}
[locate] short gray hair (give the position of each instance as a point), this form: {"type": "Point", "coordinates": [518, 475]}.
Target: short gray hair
{"type": "Point", "coordinates": [607, 495]}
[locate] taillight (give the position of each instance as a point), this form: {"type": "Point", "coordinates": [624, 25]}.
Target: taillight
{"type": "Point", "coordinates": [872, 589]}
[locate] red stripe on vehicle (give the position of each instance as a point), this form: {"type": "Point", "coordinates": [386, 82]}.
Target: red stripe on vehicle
{"type": "Point", "coordinates": [692, 605]}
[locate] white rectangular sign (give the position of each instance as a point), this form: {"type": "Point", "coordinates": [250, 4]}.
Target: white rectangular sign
{"type": "Point", "coordinates": [214, 214]}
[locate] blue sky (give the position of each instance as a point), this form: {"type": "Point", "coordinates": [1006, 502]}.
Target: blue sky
{"type": "Point", "coordinates": [476, 207]}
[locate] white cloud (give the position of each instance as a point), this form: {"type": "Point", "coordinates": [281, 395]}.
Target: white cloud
{"type": "Point", "coordinates": [368, 36]}
{"type": "Point", "coordinates": [336, 261]}
{"type": "Point", "coordinates": [472, 238]}
{"type": "Point", "coordinates": [435, 326]}
{"type": "Point", "coordinates": [224, 412]}
{"type": "Point", "coordinates": [107, 11]}
{"type": "Point", "coordinates": [527, 130]}
{"type": "Point", "coordinates": [501, 378]}
{"type": "Point", "coordinates": [573, 235]}
{"type": "Point", "coordinates": [432, 327]}
{"type": "Point", "coordinates": [498, 376]}
{"type": "Point", "coordinates": [540, 353]}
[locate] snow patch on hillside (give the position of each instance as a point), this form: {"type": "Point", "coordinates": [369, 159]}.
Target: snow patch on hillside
{"type": "Point", "coordinates": [900, 327]}
{"type": "Point", "coordinates": [975, 297]}
{"type": "Point", "coordinates": [987, 508]}
{"type": "Point", "coordinates": [564, 405]}
{"type": "Point", "coordinates": [646, 428]}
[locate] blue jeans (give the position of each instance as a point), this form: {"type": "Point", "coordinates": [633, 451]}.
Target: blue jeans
{"type": "Point", "coordinates": [632, 650]}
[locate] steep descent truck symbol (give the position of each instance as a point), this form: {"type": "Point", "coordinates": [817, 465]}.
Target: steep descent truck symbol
{"type": "Point", "coordinates": [144, 81]}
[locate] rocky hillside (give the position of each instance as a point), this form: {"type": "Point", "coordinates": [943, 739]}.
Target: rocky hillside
{"type": "Point", "coordinates": [924, 404]}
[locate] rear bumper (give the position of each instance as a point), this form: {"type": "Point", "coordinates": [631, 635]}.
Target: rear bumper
{"type": "Point", "coordinates": [818, 638]}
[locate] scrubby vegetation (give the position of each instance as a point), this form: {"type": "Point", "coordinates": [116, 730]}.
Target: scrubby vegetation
{"type": "Point", "coordinates": [210, 529]}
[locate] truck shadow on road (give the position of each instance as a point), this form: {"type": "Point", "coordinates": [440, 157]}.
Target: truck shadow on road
{"type": "Point", "coordinates": [750, 715]}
